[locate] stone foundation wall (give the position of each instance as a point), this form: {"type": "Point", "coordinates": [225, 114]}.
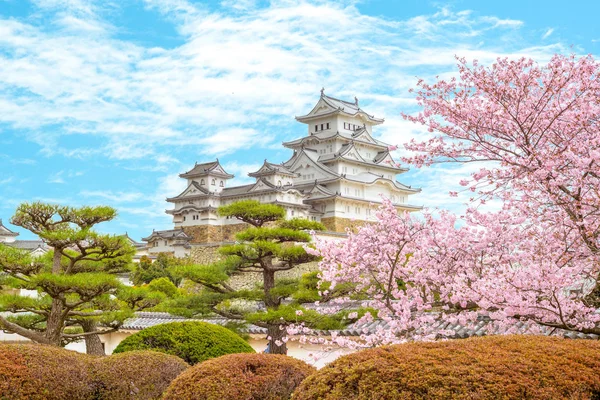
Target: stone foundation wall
{"type": "Point", "coordinates": [205, 254]}
{"type": "Point", "coordinates": [212, 233]}
{"type": "Point", "coordinates": [337, 224]}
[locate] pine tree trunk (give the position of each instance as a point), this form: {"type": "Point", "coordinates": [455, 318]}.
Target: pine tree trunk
{"type": "Point", "coordinates": [54, 323]}
{"type": "Point", "coordinates": [276, 344]}
{"type": "Point", "coordinates": [268, 285]}
{"type": "Point", "coordinates": [93, 344]}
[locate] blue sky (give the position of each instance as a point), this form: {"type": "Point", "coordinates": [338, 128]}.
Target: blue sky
{"type": "Point", "coordinates": [106, 102]}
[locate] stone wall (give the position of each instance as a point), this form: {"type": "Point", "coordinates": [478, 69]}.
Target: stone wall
{"type": "Point", "coordinates": [212, 233]}
{"type": "Point", "coordinates": [337, 224]}
{"type": "Point", "coordinates": [205, 254]}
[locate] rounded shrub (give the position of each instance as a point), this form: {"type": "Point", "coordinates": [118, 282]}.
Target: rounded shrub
{"type": "Point", "coordinates": [192, 341]}
{"type": "Point", "coordinates": [240, 377]}
{"type": "Point", "coordinates": [37, 372]}
{"type": "Point", "coordinates": [142, 375]}
{"type": "Point", "coordinates": [495, 367]}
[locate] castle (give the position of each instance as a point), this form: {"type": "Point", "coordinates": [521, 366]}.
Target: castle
{"type": "Point", "coordinates": [335, 175]}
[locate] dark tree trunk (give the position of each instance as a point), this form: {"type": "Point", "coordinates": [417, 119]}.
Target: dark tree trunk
{"type": "Point", "coordinates": [268, 285]}
{"type": "Point", "coordinates": [276, 344]}
{"type": "Point", "coordinates": [93, 344]}
{"type": "Point", "coordinates": [54, 323]}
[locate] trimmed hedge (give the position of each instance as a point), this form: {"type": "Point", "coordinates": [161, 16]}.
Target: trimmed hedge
{"type": "Point", "coordinates": [495, 367]}
{"type": "Point", "coordinates": [38, 372]}
{"type": "Point", "coordinates": [240, 377]}
{"type": "Point", "coordinates": [192, 341]}
{"type": "Point", "coordinates": [142, 375]}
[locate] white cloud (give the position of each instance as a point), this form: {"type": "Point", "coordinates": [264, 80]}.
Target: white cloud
{"type": "Point", "coordinates": [233, 74]}
{"type": "Point", "coordinates": [241, 172]}
{"type": "Point", "coordinates": [548, 33]}
{"type": "Point", "coordinates": [57, 178]}
{"type": "Point", "coordinates": [230, 86]}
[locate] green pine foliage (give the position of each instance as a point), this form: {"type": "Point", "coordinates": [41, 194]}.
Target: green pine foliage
{"type": "Point", "coordinates": [75, 282]}
{"type": "Point", "coordinates": [252, 212]}
{"type": "Point", "coordinates": [146, 270]}
{"type": "Point", "coordinates": [165, 286]}
{"type": "Point", "coordinates": [192, 341]}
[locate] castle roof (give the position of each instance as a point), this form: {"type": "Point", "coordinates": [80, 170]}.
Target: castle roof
{"type": "Point", "coordinates": [4, 231]}
{"type": "Point", "coordinates": [168, 234]}
{"type": "Point", "coordinates": [328, 105]}
{"type": "Point", "coordinates": [360, 136]}
{"type": "Point", "coordinates": [212, 168]}
{"type": "Point", "coordinates": [29, 245]}
{"type": "Point", "coordinates": [346, 153]}
{"type": "Point", "coordinates": [261, 186]}
{"type": "Point", "coordinates": [270, 169]}
{"type": "Point", "coordinates": [134, 243]}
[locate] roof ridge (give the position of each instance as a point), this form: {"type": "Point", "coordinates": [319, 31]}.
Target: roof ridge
{"type": "Point", "coordinates": [343, 101]}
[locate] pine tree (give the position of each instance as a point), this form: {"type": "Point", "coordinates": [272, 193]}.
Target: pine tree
{"type": "Point", "coordinates": [268, 247]}
{"type": "Point", "coordinates": [76, 282]}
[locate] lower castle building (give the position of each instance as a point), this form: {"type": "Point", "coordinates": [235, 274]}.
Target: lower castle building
{"type": "Point", "coordinates": [336, 175]}
{"type": "Point", "coordinates": [9, 238]}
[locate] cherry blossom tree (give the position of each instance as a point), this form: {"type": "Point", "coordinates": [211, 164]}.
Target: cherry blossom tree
{"type": "Point", "coordinates": [534, 130]}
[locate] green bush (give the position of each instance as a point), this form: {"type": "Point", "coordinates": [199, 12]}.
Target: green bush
{"type": "Point", "coordinates": [38, 372]}
{"type": "Point", "coordinates": [142, 375]}
{"type": "Point", "coordinates": [495, 367]}
{"type": "Point", "coordinates": [240, 377]}
{"type": "Point", "coordinates": [191, 341]}
{"type": "Point", "coordinates": [165, 286]}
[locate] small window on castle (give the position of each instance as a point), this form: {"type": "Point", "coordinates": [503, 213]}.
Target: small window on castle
{"type": "Point", "coordinates": [347, 209]}
{"type": "Point", "coordinates": [221, 184]}
{"type": "Point", "coordinates": [202, 182]}
{"type": "Point", "coordinates": [166, 243]}
{"type": "Point", "coordinates": [279, 183]}
{"type": "Point", "coordinates": [292, 213]}
{"type": "Point", "coordinates": [328, 125]}
{"type": "Point", "coordinates": [344, 125]}
{"type": "Point", "coordinates": [316, 128]}
{"type": "Point", "coordinates": [184, 218]}
{"type": "Point", "coordinates": [213, 182]}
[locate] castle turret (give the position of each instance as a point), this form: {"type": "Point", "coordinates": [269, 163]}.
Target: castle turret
{"type": "Point", "coordinates": [6, 235]}
{"type": "Point", "coordinates": [210, 176]}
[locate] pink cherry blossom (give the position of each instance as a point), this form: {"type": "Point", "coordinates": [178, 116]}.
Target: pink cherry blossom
{"type": "Point", "coordinates": [535, 131]}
